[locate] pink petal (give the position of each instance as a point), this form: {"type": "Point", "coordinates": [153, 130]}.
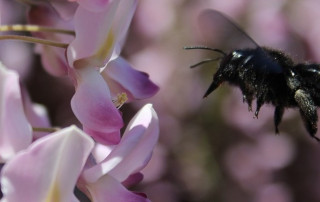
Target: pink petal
{"type": "Point", "coordinates": [121, 22]}
{"type": "Point", "coordinates": [134, 150]}
{"type": "Point", "coordinates": [109, 189]}
{"type": "Point", "coordinates": [100, 152]}
{"type": "Point", "coordinates": [48, 170]}
{"type": "Point", "coordinates": [15, 130]}
{"type": "Point", "coordinates": [96, 27]}
{"type": "Point", "coordinates": [66, 9]}
{"type": "Point", "coordinates": [133, 180]}
{"type": "Point", "coordinates": [121, 77]}
{"type": "Point", "coordinates": [94, 108]}
{"type": "Point", "coordinates": [106, 30]}
{"type": "Point", "coordinates": [37, 115]}
{"type": "Point", "coordinates": [105, 138]}
{"type": "Point", "coordinates": [94, 5]}
{"type": "Point", "coordinates": [46, 15]}
{"type": "Point", "coordinates": [53, 58]}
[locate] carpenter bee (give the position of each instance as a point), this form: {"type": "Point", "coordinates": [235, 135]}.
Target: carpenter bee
{"type": "Point", "coordinates": [267, 76]}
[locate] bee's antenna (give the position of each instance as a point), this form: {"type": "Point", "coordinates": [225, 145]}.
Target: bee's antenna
{"type": "Point", "coordinates": [205, 48]}
{"type": "Point", "coordinates": [204, 61]}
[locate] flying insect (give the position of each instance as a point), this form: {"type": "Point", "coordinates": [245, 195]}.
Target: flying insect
{"type": "Point", "coordinates": [267, 76]}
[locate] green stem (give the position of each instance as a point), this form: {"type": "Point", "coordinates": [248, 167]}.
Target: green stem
{"type": "Point", "coordinates": [49, 130]}
{"type": "Point", "coordinates": [33, 40]}
{"type": "Point", "coordinates": [34, 28]}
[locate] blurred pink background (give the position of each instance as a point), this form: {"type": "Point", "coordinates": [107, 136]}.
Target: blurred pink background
{"type": "Point", "coordinates": [210, 149]}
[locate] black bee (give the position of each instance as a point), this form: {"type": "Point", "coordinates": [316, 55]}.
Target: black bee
{"type": "Point", "coordinates": [268, 76]}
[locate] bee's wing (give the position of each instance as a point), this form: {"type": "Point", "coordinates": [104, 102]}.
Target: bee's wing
{"type": "Point", "coordinates": [222, 33]}
{"type": "Point", "coordinates": [218, 31]}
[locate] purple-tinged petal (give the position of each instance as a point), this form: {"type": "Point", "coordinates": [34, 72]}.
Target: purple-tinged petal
{"type": "Point", "coordinates": [121, 77]}
{"type": "Point", "coordinates": [122, 21]}
{"type": "Point", "coordinates": [133, 179]}
{"type": "Point", "coordinates": [106, 31]}
{"type": "Point", "coordinates": [94, 5]}
{"type": "Point", "coordinates": [36, 114]}
{"type": "Point", "coordinates": [100, 151]}
{"type": "Point", "coordinates": [15, 130]}
{"type": "Point", "coordinates": [53, 58]}
{"type": "Point", "coordinates": [94, 108]}
{"type": "Point", "coordinates": [96, 27]}
{"type": "Point", "coordinates": [66, 9]}
{"type": "Point", "coordinates": [105, 138]}
{"type": "Point", "coordinates": [134, 150]}
{"type": "Point", "coordinates": [48, 170]}
{"type": "Point", "coordinates": [109, 189]}
{"type": "Point", "coordinates": [46, 15]}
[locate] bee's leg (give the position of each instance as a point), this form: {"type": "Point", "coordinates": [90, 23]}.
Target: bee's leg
{"type": "Point", "coordinates": [261, 98]}
{"type": "Point", "coordinates": [247, 99]}
{"type": "Point", "coordinates": [247, 96]}
{"type": "Point", "coordinates": [256, 113]}
{"type": "Point", "coordinates": [278, 113]}
{"type": "Point", "coordinates": [308, 111]}
{"type": "Point", "coordinates": [260, 102]}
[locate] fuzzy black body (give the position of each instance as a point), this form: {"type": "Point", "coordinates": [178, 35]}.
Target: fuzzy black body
{"type": "Point", "coordinates": [265, 75]}
{"type": "Point", "coordinates": [269, 76]}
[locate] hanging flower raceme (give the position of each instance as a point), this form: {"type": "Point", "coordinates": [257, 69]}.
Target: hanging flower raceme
{"type": "Point", "coordinates": [82, 40]}
{"type": "Point", "coordinates": [15, 130]}
{"type": "Point", "coordinates": [106, 180]}
{"type": "Point", "coordinates": [45, 170]}
{"type": "Point", "coordinates": [46, 174]}
{"type": "Point", "coordinates": [53, 58]}
{"type": "Point", "coordinates": [44, 165]}
{"type": "Point", "coordinates": [100, 30]}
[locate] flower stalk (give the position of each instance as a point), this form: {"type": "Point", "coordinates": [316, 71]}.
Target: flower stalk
{"type": "Point", "coordinates": [49, 130]}
{"type": "Point", "coordinates": [34, 28]}
{"type": "Point", "coordinates": [33, 40]}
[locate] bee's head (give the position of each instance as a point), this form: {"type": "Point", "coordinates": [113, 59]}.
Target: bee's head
{"type": "Point", "coordinates": [235, 57]}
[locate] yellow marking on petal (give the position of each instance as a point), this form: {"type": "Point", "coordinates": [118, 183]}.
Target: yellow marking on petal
{"type": "Point", "coordinates": [105, 47]}
{"type": "Point", "coordinates": [54, 194]}
{"type": "Point", "coordinates": [120, 100]}
{"type": "Point", "coordinates": [97, 59]}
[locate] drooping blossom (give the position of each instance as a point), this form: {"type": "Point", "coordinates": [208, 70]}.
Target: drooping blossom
{"type": "Point", "coordinates": [93, 106]}
{"type": "Point", "coordinates": [99, 36]}
{"type": "Point", "coordinates": [106, 180]}
{"type": "Point", "coordinates": [43, 171]}
{"type": "Point", "coordinates": [15, 130]}
{"type": "Point", "coordinates": [53, 58]}
{"type": "Point", "coordinates": [36, 114]}
{"type": "Point", "coordinates": [47, 170]}
{"type": "Point", "coordinates": [121, 77]}
{"type": "Point", "coordinates": [48, 167]}
{"type": "Point", "coordinates": [94, 5]}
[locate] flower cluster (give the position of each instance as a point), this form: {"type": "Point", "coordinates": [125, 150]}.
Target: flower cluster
{"type": "Point", "coordinates": [81, 40]}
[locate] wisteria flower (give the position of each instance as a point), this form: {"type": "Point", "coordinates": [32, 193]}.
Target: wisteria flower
{"type": "Point", "coordinates": [105, 180]}
{"type": "Point", "coordinates": [53, 58]}
{"type": "Point", "coordinates": [99, 36]}
{"type": "Point", "coordinates": [48, 170]}
{"type": "Point", "coordinates": [44, 172]}
{"type": "Point", "coordinates": [121, 77]}
{"type": "Point", "coordinates": [15, 130]}
{"type": "Point", "coordinates": [83, 44]}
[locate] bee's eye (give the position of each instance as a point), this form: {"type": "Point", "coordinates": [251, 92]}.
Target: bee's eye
{"type": "Point", "coordinates": [236, 54]}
